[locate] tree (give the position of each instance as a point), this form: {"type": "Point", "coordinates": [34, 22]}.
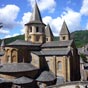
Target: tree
{"type": "Point", "coordinates": [84, 58]}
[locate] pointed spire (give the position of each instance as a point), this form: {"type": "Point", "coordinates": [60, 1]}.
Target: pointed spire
{"type": "Point", "coordinates": [48, 31]}
{"type": "Point", "coordinates": [2, 45]}
{"type": "Point", "coordinates": [64, 29]}
{"type": "Point", "coordinates": [36, 16]}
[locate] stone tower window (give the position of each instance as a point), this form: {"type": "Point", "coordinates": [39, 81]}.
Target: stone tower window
{"type": "Point", "coordinates": [42, 29]}
{"type": "Point", "coordinates": [8, 59]}
{"type": "Point", "coordinates": [30, 29]}
{"type": "Point", "coordinates": [37, 29]}
{"type": "Point", "coordinates": [59, 65]}
{"type": "Point", "coordinates": [46, 39]}
{"type": "Point", "coordinates": [63, 37]}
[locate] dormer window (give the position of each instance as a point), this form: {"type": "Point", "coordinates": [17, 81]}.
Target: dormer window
{"type": "Point", "coordinates": [37, 29]}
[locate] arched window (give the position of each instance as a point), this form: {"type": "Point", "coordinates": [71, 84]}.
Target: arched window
{"type": "Point", "coordinates": [30, 29]}
{"type": "Point", "coordinates": [8, 59]}
{"type": "Point", "coordinates": [14, 53]}
{"type": "Point", "coordinates": [63, 37]}
{"type": "Point", "coordinates": [37, 29]}
{"type": "Point", "coordinates": [59, 66]}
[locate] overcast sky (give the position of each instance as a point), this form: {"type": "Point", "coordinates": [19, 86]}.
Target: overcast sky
{"type": "Point", "coordinates": [15, 13]}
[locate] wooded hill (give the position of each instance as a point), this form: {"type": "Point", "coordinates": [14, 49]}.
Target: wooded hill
{"type": "Point", "coordinates": [80, 37]}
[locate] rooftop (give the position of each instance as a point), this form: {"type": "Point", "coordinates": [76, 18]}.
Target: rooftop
{"type": "Point", "coordinates": [57, 44]}
{"type": "Point", "coordinates": [17, 67]}
{"type": "Point", "coordinates": [46, 76]}
{"type": "Point", "coordinates": [22, 80]}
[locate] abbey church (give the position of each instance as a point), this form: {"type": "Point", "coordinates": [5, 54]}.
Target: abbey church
{"type": "Point", "coordinates": [39, 60]}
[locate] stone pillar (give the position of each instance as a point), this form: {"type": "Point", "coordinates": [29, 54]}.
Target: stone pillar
{"type": "Point", "coordinates": [68, 68]}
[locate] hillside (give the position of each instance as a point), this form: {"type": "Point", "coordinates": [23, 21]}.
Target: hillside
{"type": "Point", "coordinates": [80, 37]}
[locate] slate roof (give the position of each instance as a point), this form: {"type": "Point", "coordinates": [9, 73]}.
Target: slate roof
{"type": "Point", "coordinates": [2, 53]}
{"type": "Point", "coordinates": [46, 76]}
{"type": "Point", "coordinates": [22, 43]}
{"type": "Point", "coordinates": [52, 52]}
{"type": "Point", "coordinates": [2, 80]}
{"type": "Point", "coordinates": [48, 31]}
{"type": "Point", "coordinates": [2, 43]}
{"type": "Point", "coordinates": [17, 67]}
{"type": "Point", "coordinates": [36, 16]}
{"type": "Point", "coordinates": [54, 44]}
{"type": "Point", "coordinates": [22, 80]}
{"type": "Point", "coordinates": [64, 29]}
{"type": "Point", "coordinates": [82, 51]}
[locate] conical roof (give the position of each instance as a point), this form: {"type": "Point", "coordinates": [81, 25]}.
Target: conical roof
{"type": "Point", "coordinates": [46, 76]}
{"type": "Point", "coordinates": [2, 43]}
{"type": "Point", "coordinates": [36, 16]}
{"type": "Point", "coordinates": [64, 29]}
{"type": "Point", "coordinates": [48, 31]}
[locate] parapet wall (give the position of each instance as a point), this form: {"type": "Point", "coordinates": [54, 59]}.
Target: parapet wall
{"type": "Point", "coordinates": [73, 84]}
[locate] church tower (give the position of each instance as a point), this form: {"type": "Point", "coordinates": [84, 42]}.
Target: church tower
{"type": "Point", "coordinates": [64, 33]}
{"type": "Point", "coordinates": [2, 46]}
{"type": "Point", "coordinates": [35, 28]}
{"type": "Point", "coordinates": [49, 34]}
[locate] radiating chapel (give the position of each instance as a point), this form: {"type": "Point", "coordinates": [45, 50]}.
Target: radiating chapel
{"type": "Point", "coordinates": [39, 60]}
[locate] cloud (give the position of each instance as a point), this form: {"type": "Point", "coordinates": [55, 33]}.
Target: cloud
{"type": "Point", "coordinates": [8, 35]}
{"type": "Point", "coordinates": [84, 8]}
{"type": "Point", "coordinates": [45, 4]}
{"type": "Point", "coordinates": [25, 19]}
{"type": "Point", "coordinates": [8, 15]}
{"type": "Point", "coordinates": [2, 31]}
{"type": "Point", "coordinates": [71, 17]}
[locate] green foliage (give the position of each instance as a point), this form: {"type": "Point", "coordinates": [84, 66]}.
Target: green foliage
{"type": "Point", "coordinates": [9, 40]}
{"type": "Point", "coordinates": [83, 58]}
{"type": "Point", "coordinates": [80, 37]}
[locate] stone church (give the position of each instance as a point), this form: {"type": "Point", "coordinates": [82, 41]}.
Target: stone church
{"type": "Point", "coordinates": [39, 59]}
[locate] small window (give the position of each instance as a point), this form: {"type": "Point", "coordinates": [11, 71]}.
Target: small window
{"type": "Point", "coordinates": [30, 29]}
{"type": "Point", "coordinates": [63, 37]}
{"type": "Point", "coordinates": [59, 66]}
{"type": "Point", "coordinates": [46, 39]}
{"type": "Point", "coordinates": [37, 29]}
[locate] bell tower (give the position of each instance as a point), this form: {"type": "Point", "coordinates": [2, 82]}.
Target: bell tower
{"type": "Point", "coordinates": [64, 33]}
{"type": "Point", "coordinates": [35, 28]}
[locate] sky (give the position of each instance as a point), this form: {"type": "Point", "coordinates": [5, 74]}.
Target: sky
{"type": "Point", "coordinates": [15, 13]}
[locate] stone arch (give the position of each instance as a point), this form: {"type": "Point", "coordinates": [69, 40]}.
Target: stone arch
{"type": "Point", "coordinates": [59, 65]}
{"type": "Point", "coordinates": [13, 55]}
{"type": "Point", "coordinates": [8, 56]}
